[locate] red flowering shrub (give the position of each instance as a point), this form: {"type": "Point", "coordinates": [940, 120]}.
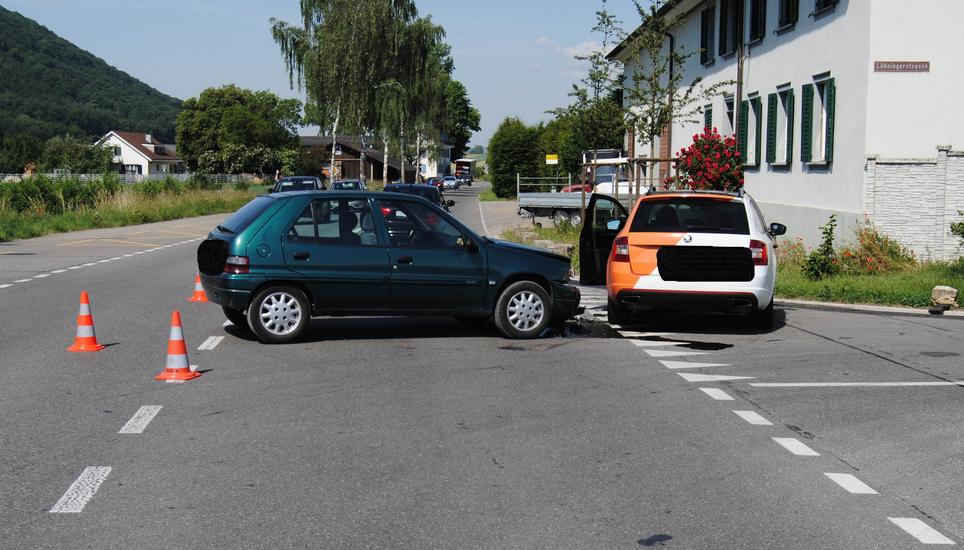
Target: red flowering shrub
{"type": "Point", "coordinates": [711, 162]}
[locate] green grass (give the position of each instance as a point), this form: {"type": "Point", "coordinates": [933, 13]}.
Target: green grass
{"type": "Point", "coordinates": [127, 207]}
{"type": "Point", "coordinates": [911, 287]}
{"type": "Point", "coordinates": [489, 195]}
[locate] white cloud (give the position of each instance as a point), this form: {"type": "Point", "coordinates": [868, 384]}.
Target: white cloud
{"type": "Point", "coordinates": [582, 49]}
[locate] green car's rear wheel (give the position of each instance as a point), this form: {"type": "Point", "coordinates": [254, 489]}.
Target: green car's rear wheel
{"type": "Point", "coordinates": [279, 314]}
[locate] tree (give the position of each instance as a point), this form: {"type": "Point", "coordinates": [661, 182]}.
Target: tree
{"type": "Point", "coordinates": [74, 155]}
{"type": "Point", "coordinates": [254, 127]}
{"type": "Point", "coordinates": [461, 117]}
{"type": "Point", "coordinates": [511, 152]}
{"type": "Point", "coordinates": [655, 94]}
{"type": "Point", "coordinates": [18, 151]}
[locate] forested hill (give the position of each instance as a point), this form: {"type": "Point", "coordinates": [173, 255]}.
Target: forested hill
{"type": "Point", "coordinates": [49, 86]}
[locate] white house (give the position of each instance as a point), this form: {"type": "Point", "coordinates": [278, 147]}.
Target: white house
{"type": "Point", "coordinates": [141, 154]}
{"type": "Point", "coordinates": [850, 107]}
{"type": "Point", "coordinates": [435, 161]}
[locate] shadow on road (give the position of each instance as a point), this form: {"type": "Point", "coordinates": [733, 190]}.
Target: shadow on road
{"type": "Point", "coordinates": [683, 323]}
{"type": "Point", "coordinates": [383, 328]}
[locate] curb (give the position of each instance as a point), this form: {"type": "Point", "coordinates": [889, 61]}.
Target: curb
{"type": "Point", "coordinates": [864, 308]}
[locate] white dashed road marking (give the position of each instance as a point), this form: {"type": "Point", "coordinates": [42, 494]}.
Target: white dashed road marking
{"type": "Point", "coordinates": [795, 446]}
{"type": "Point", "coordinates": [22, 281]}
{"type": "Point", "coordinates": [60, 270]}
{"type": "Point", "coordinates": [81, 491]}
{"type": "Point", "coordinates": [140, 420]}
{"type": "Point", "coordinates": [75, 267]}
{"type": "Point", "coordinates": [851, 484]}
{"type": "Point", "coordinates": [635, 334]}
{"type": "Point", "coordinates": [227, 324]}
{"type": "Point", "coordinates": [693, 377]}
{"type": "Point", "coordinates": [211, 343]}
{"type": "Point", "coordinates": [41, 276]}
{"type": "Point", "coordinates": [753, 418]}
{"type": "Point", "coordinates": [5, 286]}
{"type": "Point", "coordinates": [921, 531]}
{"type": "Point", "coordinates": [654, 344]}
{"type": "Point", "coordinates": [687, 365]}
{"type": "Point", "coordinates": [667, 353]}
{"type": "Point", "coordinates": [717, 394]}
{"type": "Point", "coordinates": [853, 384]}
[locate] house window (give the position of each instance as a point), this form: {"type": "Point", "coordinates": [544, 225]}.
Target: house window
{"type": "Point", "coordinates": [117, 151]}
{"type": "Point", "coordinates": [708, 117]}
{"type": "Point", "coordinates": [749, 141]}
{"type": "Point", "coordinates": [728, 26]}
{"type": "Point", "coordinates": [160, 150]}
{"type": "Point", "coordinates": [780, 127]}
{"type": "Point", "coordinates": [132, 168]}
{"type": "Point", "coordinates": [758, 19]}
{"type": "Point", "coordinates": [789, 11]}
{"type": "Point", "coordinates": [730, 127]}
{"type": "Point", "coordinates": [707, 26]}
{"type": "Point", "coordinates": [817, 121]}
{"type": "Point", "coordinates": [821, 5]}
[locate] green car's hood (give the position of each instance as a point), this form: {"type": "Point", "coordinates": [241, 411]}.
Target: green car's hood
{"type": "Point", "coordinates": [525, 248]}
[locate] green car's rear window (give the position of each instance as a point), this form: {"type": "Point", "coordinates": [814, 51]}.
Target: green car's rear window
{"type": "Point", "coordinates": [240, 220]}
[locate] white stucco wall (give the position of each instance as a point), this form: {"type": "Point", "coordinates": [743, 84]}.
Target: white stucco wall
{"type": "Point", "coordinates": [128, 154]}
{"type": "Point", "coordinates": [909, 114]}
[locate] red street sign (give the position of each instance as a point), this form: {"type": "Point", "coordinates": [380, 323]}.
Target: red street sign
{"type": "Point", "coordinates": [902, 66]}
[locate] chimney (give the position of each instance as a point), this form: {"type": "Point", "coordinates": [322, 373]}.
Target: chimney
{"type": "Point", "coordinates": [149, 140]}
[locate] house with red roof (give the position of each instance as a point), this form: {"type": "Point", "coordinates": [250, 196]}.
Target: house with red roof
{"type": "Point", "coordinates": [139, 153]}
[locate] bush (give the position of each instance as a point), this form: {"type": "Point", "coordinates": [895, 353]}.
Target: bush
{"type": "Point", "coordinates": [792, 253]}
{"type": "Point", "coordinates": [711, 162]}
{"type": "Point", "coordinates": [875, 253]}
{"type": "Point", "coordinates": [958, 228]}
{"type": "Point", "coordinates": [511, 153]}
{"type": "Point", "coordinates": [241, 185]}
{"type": "Point", "coordinates": [172, 186]}
{"type": "Point", "coordinates": [822, 262]}
{"type": "Point", "coordinates": [150, 188]}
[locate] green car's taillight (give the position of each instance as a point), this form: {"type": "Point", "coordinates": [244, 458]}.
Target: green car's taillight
{"type": "Point", "coordinates": [237, 265]}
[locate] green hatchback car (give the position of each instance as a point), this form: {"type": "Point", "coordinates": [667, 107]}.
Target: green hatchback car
{"type": "Point", "coordinates": [286, 257]}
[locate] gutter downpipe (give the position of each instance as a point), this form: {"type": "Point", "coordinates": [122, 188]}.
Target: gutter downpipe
{"type": "Point", "coordinates": [738, 101]}
{"type": "Point", "coordinates": [669, 128]}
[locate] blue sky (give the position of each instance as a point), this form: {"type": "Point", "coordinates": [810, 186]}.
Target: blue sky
{"type": "Point", "coordinates": [515, 57]}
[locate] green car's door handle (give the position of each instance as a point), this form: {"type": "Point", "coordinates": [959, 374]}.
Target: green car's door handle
{"type": "Point", "coordinates": [405, 260]}
{"type": "Point", "coordinates": [302, 255]}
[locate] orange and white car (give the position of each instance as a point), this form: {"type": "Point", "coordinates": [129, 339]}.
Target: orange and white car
{"type": "Point", "coordinates": [700, 251]}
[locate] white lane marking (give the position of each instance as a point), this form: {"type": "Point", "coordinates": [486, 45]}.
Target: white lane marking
{"type": "Point", "coordinates": [635, 334]}
{"type": "Point", "coordinates": [211, 343]}
{"type": "Point", "coordinates": [717, 394]}
{"type": "Point", "coordinates": [126, 255]}
{"type": "Point", "coordinates": [851, 484]}
{"type": "Point", "coordinates": [75, 267]}
{"type": "Point", "coordinates": [485, 229]}
{"type": "Point", "coordinates": [104, 261]}
{"type": "Point", "coordinates": [753, 418]}
{"type": "Point", "coordinates": [693, 377]}
{"type": "Point", "coordinates": [688, 365]}
{"type": "Point", "coordinates": [140, 420]}
{"type": "Point", "coordinates": [795, 446]}
{"type": "Point", "coordinates": [227, 324]}
{"type": "Point", "coordinates": [5, 286]}
{"type": "Point", "coordinates": [665, 353]}
{"type": "Point", "coordinates": [191, 368]}
{"type": "Point", "coordinates": [22, 281]}
{"type": "Point", "coordinates": [89, 264]}
{"type": "Point", "coordinates": [41, 276]}
{"type": "Point", "coordinates": [921, 531]}
{"type": "Point", "coordinates": [116, 257]}
{"type": "Point", "coordinates": [853, 384]}
{"type": "Point", "coordinates": [60, 270]}
{"type": "Point", "coordinates": [81, 491]}
{"type": "Point", "coordinates": [652, 344]}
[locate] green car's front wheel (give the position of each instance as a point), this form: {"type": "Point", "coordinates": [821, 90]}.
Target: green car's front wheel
{"type": "Point", "coordinates": [523, 310]}
{"type": "Point", "coordinates": [279, 314]}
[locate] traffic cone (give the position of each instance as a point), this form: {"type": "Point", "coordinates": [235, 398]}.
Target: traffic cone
{"type": "Point", "coordinates": [85, 340]}
{"type": "Point", "coordinates": [199, 295]}
{"type": "Point", "coordinates": [177, 369]}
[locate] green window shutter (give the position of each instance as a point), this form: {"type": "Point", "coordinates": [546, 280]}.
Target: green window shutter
{"type": "Point", "coordinates": [708, 118]}
{"type": "Point", "coordinates": [831, 101]}
{"type": "Point", "coordinates": [789, 126]}
{"type": "Point", "coordinates": [806, 124]}
{"type": "Point", "coordinates": [758, 115]}
{"type": "Point", "coordinates": [742, 127]}
{"type": "Point", "coordinates": [772, 128]}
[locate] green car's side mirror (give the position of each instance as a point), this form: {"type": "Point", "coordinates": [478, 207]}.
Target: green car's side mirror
{"type": "Point", "coordinates": [450, 203]}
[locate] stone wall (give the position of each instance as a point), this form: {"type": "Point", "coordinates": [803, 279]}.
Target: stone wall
{"type": "Point", "coordinates": [916, 200]}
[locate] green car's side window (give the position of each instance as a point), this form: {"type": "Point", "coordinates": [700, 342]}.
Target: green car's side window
{"type": "Point", "coordinates": [335, 222]}
{"type": "Point", "coordinates": [415, 225]}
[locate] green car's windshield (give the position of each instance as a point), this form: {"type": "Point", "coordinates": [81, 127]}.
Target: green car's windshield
{"type": "Point", "coordinates": [240, 220]}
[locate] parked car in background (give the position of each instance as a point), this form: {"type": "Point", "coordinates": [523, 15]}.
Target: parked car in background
{"type": "Point", "coordinates": [298, 183]}
{"type": "Point", "coordinates": [699, 251]}
{"type": "Point", "coordinates": [576, 188]}
{"type": "Point", "coordinates": [427, 192]}
{"type": "Point", "coordinates": [285, 257]}
{"type": "Point", "coordinates": [464, 179]}
{"type": "Point", "coordinates": [437, 182]}
{"type": "Point", "coordinates": [349, 185]}
{"type": "Point", "coordinates": [449, 182]}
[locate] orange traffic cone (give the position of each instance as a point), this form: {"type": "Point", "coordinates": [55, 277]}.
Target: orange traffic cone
{"type": "Point", "coordinates": [177, 369]}
{"type": "Point", "coordinates": [199, 295]}
{"type": "Point", "coordinates": [85, 340]}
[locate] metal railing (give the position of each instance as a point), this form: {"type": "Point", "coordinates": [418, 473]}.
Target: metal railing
{"type": "Point", "coordinates": [138, 178]}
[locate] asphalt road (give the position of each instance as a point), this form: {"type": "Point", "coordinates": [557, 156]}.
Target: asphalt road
{"type": "Point", "coordinates": [424, 433]}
